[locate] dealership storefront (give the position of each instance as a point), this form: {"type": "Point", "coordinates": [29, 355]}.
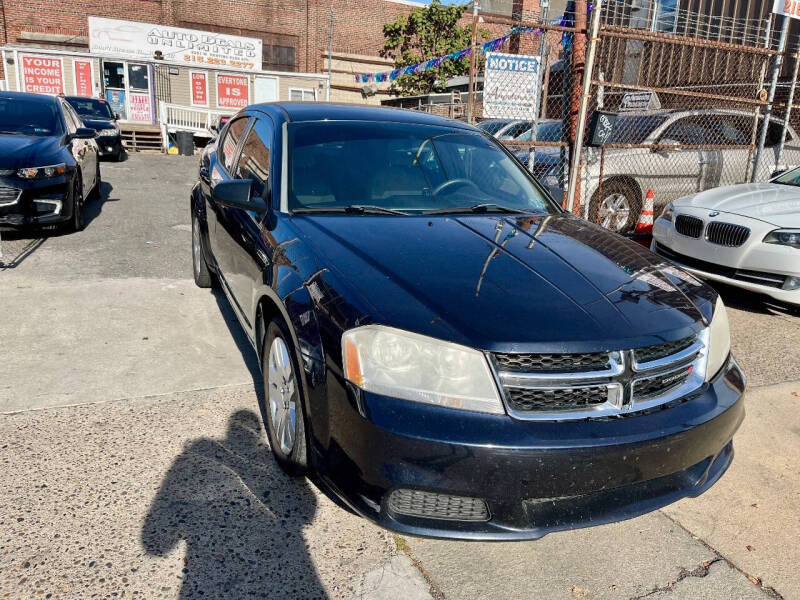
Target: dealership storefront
{"type": "Point", "coordinates": [139, 67]}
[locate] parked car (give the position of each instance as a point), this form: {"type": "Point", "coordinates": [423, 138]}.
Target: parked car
{"type": "Point", "coordinates": [448, 351]}
{"type": "Point", "coordinates": [48, 162]}
{"type": "Point", "coordinates": [716, 155]}
{"type": "Point", "coordinates": [745, 235]}
{"type": "Point", "coordinates": [97, 114]}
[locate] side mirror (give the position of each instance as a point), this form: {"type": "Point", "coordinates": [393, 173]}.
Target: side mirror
{"type": "Point", "coordinates": [214, 127]}
{"type": "Point", "coordinates": [116, 116]}
{"type": "Point", "coordinates": [236, 193]}
{"type": "Point", "coordinates": [83, 133]}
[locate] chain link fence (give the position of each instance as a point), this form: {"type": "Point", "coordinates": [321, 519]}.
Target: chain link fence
{"type": "Point", "coordinates": [690, 97]}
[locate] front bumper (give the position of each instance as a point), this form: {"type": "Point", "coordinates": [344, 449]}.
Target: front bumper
{"type": "Point", "coordinates": [42, 202]}
{"type": "Point", "coordinates": [535, 477]}
{"type": "Point", "coordinates": [109, 146]}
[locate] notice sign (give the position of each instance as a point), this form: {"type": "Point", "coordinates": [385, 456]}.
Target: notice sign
{"type": "Point", "coordinates": [789, 8]}
{"type": "Point", "coordinates": [511, 86]}
{"type": "Point", "coordinates": [140, 107]}
{"type": "Point", "coordinates": [84, 84]}
{"type": "Point", "coordinates": [233, 91]}
{"type": "Point", "coordinates": [143, 40]}
{"type": "Point", "coordinates": [199, 88]}
{"type": "Point", "coordinates": [640, 102]}
{"type": "Point", "coordinates": [43, 75]}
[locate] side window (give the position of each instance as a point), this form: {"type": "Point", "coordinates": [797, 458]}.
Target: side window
{"type": "Point", "coordinates": [687, 131]}
{"type": "Point", "coordinates": [254, 160]}
{"type": "Point", "coordinates": [230, 142]}
{"type": "Point", "coordinates": [774, 134]}
{"type": "Point", "coordinates": [69, 120]}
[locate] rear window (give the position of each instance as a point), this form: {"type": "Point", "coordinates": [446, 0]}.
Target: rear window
{"type": "Point", "coordinates": [635, 129]}
{"type": "Point", "coordinates": [22, 116]}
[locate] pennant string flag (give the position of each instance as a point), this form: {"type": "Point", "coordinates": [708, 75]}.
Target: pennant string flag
{"type": "Point", "coordinates": [434, 63]}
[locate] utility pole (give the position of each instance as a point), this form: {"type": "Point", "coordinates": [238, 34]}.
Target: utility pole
{"type": "Point", "coordinates": [471, 89]}
{"type": "Point", "coordinates": [330, 53]}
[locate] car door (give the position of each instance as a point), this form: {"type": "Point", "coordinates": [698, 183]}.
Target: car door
{"type": "Point", "coordinates": [728, 152]}
{"type": "Point", "coordinates": [243, 226]}
{"type": "Point", "coordinates": [678, 172]}
{"type": "Point", "coordinates": [220, 168]}
{"type": "Point", "coordinates": [88, 151]}
{"type": "Point", "coordinates": [75, 147]}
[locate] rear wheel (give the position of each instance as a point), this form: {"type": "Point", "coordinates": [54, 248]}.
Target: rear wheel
{"type": "Point", "coordinates": [616, 210]}
{"type": "Point", "coordinates": [283, 409]}
{"type": "Point", "coordinates": [202, 275]}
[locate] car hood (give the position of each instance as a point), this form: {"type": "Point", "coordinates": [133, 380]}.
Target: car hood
{"type": "Point", "coordinates": [771, 202]}
{"type": "Point", "coordinates": [98, 123]}
{"type": "Point", "coordinates": [18, 151]}
{"type": "Point", "coordinates": [555, 284]}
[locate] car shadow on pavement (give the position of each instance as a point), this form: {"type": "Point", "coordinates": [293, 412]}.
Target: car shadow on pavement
{"type": "Point", "coordinates": [240, 517]}
{"type": "Point", "coordinates": [93, 208]}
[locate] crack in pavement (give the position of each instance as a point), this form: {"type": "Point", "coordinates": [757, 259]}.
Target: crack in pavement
{"type": "Point", "coordinates": [700, 571]}
{"type": "Point", "coordinates": [769, 590]}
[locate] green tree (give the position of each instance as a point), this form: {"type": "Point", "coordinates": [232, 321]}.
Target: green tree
{"type": "Point", "coordinates": [423, 34]}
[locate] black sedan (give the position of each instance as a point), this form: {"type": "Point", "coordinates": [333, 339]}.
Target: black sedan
{"type": "Point", "coordinates": [97, 114]}
{"type": "Point", "coordinates": [48, 162]}
{"type": "Point", "coordinates": [446, 350]}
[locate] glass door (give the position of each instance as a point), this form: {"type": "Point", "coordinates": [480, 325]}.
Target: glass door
{"type": "Point", "coordinates": [115, 89]}
{"type": "Point", "coordinates": [140, 102]}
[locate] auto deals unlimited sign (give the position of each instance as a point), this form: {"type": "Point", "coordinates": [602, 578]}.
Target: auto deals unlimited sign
{"type": "Point", "coordinates": [511, 86]}
{"type": "Point", "coordinates": [143, 40]}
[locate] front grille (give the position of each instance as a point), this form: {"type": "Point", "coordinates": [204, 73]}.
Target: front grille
{"type": "Point", "coordinates": [650, 353]}
{"type": "Point", "coordinates": [557, 363]}
{"type": "Point", "coordinates": [417, 503]}
{"type": "Point", "coordinates": [760, 277]}
{"type": "Point", "coordinates": [9, 195]}
{"type": "Point", "coordinates": [689, 226]}
{"type": "Point", "coordinates": [660, 384]}
{"type": "Point", "coordinates": [727, 234]}
{"type": "Point", "coordinates": [525, 399]}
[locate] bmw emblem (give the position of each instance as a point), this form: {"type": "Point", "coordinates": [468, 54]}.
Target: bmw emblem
{"type": "Point", "coordinates": [713, 214]}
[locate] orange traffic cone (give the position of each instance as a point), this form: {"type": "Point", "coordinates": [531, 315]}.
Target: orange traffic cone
{"type": "Point", "coordinates": [645, 224]}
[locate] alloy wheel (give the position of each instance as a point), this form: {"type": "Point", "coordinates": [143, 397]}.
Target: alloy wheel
{"type": "Point", "coordinates": [282, 396]}
{"type": "Point", "coordinates": [614, 212]}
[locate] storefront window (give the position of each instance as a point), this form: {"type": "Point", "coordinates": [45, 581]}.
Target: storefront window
{"type": "Point", "coordinates": [114, 75]}
{"type": "Point", "coordinates": [138, 78]}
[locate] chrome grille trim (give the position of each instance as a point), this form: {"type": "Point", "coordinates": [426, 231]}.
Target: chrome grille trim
{"type": "Point", "coordinates": [620, 381]}
{"type": "Point", "coordinates": [689, 226]}
{"type": "Point", "coordinates": [9, 195]}
{"type": "Point", "coordinates": [727, 234]}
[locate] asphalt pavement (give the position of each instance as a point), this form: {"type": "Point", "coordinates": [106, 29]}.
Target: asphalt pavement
{"type": "Point", "coordinates": [134, 464]}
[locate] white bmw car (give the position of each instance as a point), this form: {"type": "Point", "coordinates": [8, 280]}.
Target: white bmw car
{"type": "Point", "coordinates": [744, 235]}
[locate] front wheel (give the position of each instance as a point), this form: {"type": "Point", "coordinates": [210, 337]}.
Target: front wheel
{"type": "Point", "coordinates": [202, 275]}
{"type": "Point", "coordinates": [284, 419]}
{"type": "Point", "coordinates": [616, 209]}
{"type": "Point", "coordinates": [76, 222]}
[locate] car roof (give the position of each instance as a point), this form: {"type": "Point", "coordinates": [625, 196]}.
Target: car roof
{"type": "Point", "coordinates": [27, 96]}
{"type": "Point", "coordinates": [320, 111]}
{"type": "Point", "coordinates": [85, 98]}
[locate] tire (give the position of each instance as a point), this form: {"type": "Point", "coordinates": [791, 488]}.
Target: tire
{"type": "Point", "coordinates": [202, 275]}
{"type": "Point", "coordinates": [617, 209]}
{"type": "Point", "coordinates": [76, 221]}
{"type": "Point", "coordinates": [282, 407]}
{"type": "Point", "coordinates": [95, 193]}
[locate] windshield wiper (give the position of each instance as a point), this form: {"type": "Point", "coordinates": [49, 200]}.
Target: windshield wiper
{"type": "Point", "coordinates": [477, 208]}
{"type": "Point", "coordinates": [351, 209]}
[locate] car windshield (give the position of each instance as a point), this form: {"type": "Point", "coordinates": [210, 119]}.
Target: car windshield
{"type": "Point", "coordinates": [551, 131]}
{"type": "Point", "coordinates": [404, 167]}
{"type": "Point", "coordinates": [23, 116]}
{"type": "Point", "coordinates": [89, 107]}
{"type": "Point", "coordinates": [493, 126]}
{"type": "Point", "coordinates": [789, 178]}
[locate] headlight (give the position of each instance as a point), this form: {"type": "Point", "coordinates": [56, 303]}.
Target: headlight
{"type": "Point", "coordinates": [42, 172]}
{"type": "Point", "coordinates": [784, 237]}
{"type": "Point", "coordinates": [413, 367]}
{"type": "Point", "coordinates": [719, 340]}
{"type": "Point", "coordinates": [668, 212]}
{"type": "Point", "coordinates": [107, 132]}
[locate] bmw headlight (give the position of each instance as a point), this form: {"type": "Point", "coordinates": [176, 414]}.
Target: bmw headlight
{"type": "Point", "coordinates": [784, 237]}
{"type": "Point", "coordinates": [719, 340]}
{"type": "Point", "coordinates": [107, 132]}
{"type": "Point", "coordinates": [414, 367]}
{"type": "Point", "coordinates": [42, 172]}
{"type": "Point", "coordinates": [668, 213]}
